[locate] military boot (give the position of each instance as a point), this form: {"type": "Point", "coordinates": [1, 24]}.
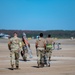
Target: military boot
{"type": "Point", "coordinates": [42, 65]}
{"type": "Point", "coordinates": [12, 67]}
{"type": "Point", "coordinates": [38, 65]}
{"type": "Point", "coordinates": [17, 67]}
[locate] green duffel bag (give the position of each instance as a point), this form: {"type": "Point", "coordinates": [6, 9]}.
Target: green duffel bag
{"type": "Point", "coordinates": [49, 46]}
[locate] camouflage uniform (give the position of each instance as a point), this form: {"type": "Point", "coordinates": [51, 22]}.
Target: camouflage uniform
{"type": "Point", "coordinates": [14, 52]}
{"type": "Point", "coordinates": [49, 42]}
{"type": "Point", "coordinates": [40, 49]}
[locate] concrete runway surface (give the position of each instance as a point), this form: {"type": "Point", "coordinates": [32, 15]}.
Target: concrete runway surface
{"type": "Point", "coordinates": [62, 61]}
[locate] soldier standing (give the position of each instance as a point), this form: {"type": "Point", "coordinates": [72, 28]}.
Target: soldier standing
{"type": "Point", "coordinates": [49, 42]}
{"type": "Point", "coordinates": [40, 47]}
{"type": "Point", "coordinates": [15, 44]}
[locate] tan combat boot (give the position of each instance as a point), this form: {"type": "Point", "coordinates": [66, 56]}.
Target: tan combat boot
{"type": "Point", "coordinates": [12, 67]}
{"type": "Point", "coordinates": [17, 67]}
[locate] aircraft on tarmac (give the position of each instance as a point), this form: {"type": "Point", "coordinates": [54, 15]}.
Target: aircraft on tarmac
{"type": "Point", "coordinates": [5, 36]}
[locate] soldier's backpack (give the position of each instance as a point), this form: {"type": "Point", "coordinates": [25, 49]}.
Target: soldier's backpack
{"type": "Point", "coordinates": [49, 46]}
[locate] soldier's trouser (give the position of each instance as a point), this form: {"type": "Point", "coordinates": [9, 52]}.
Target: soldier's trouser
{"type": "Point", "coordinates": [25, 51]}
{"type": "Point", "coordinates": [48, 54]}
{"type": "Point", "coordinates": [40, 53]}
{"type": "Point", "coordinates": [14, 55]}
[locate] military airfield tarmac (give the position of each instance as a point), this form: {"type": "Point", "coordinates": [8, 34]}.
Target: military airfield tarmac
{"type": "Point", "coordinates": [62, 61]}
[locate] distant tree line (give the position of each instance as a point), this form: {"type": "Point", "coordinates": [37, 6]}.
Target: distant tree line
{"type": "Point", "coordinates": [34, 33]}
